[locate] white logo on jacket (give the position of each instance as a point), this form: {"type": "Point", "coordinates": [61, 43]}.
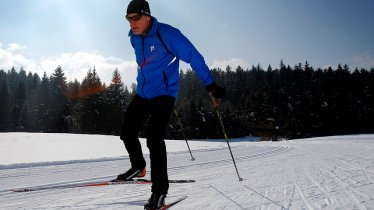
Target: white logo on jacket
{"type": "Point", "coordinates": [152, 48]}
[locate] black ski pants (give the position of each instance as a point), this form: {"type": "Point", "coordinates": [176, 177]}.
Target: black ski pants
{"type": "Point", "coordinates": [158, 111]}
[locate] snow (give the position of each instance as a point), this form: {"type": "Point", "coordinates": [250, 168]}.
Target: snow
{"type": "Point", "coordinates": [319, 173]}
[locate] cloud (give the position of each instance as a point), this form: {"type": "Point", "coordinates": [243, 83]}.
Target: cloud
{"type": "Point", "coordinates": [232, 62]}
{"type": "Point", "coordinates": [75, 65]}
{"type": "Point", "coordinates": [11, 56]}
{"type": "Point", "coordinates": [15, 47]}
{"type": "Point", "coordinates": [364, 60]}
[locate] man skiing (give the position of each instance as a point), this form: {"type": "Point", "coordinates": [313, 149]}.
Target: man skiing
{"type": "Point", "coordinates": [158, 49]}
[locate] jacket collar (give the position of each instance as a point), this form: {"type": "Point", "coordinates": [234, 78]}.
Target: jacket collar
{"type": "Point", "coordinates": [152, 30]}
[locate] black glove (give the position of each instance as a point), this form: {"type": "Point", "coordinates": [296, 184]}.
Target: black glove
{"type": "Point", "coordinates": [215, 90]}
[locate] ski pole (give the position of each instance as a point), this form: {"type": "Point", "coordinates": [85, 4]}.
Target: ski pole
{"type": "Point", "coordinates": [182, 130]}
{"type": "Point", "coordinates": [215, 104]}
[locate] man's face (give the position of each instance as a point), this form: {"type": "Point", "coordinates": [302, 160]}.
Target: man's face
{"type": "Point", "coordinates": [138, 23]}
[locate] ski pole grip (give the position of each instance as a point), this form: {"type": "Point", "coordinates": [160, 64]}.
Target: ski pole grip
{"type": "Point", "coordinates": [215, 101]}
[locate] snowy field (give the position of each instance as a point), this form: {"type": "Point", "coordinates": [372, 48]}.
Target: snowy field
{"type": "Point", "coordinates": [320, 173]}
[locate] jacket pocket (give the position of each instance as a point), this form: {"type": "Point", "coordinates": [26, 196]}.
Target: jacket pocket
{"type": "Point", "coordinates": [166, 81]}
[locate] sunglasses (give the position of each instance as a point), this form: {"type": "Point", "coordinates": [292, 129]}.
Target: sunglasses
{"type": "Point", "coordinates": [133, 18]}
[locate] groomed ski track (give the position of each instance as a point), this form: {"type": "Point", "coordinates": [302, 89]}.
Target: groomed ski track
{"type": "Point", "coordinates": [331, 173]}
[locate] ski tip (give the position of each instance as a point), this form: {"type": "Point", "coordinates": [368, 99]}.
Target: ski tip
{"type": "Point", "coordinates": [20, 190]}
{"type": "Point", "coordinates": [184, 197]}
{"type": "Point", "coordinates": [167, 206]}
{"type": "Point", "coordinates": [181, 181]}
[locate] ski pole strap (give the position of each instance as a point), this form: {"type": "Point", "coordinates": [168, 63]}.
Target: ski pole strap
{"type": "Point", "coordinates": [176, 113]}
{"type": "Point", "coordinates": [215, 101]}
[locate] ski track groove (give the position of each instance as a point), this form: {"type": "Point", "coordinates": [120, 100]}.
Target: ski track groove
{"type": "Point", "coordinates": [329, 182]}
{"type": "Point", "coordinates": [284, 192]}
{"type": "Point", "coordinates": [346, 189]}
{"type": "Point", "coordinates": [292, 197]}
{"type": "Point", "coordinates": [222, 194]}
{"type": "Point", "coordinates": [297, 187]}
{"type": "Point", "coordinates": [266, 194]}
{"type": "Point", "coordinates": [328, 198]}
{"type": "Point", "coordinates": [352, 168]}
{"type": "Point", "coordinates": [227, 160]}
{"type": "Point", "coordinates": [82, 163]}
{"type": "Point", "coordinates": [344, 186]}
{"type": "Point", "coordinates": [347, 171]}
{"type": "Point", "coordinates": [263, 199]}
{"type": "Point", "coordinates": [302, 195]}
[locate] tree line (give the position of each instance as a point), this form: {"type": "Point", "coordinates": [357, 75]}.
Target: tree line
{"type": "Point", "coordinates": [285, 102]}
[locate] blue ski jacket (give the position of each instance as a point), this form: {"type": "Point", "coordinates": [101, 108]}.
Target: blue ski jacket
{"type": "Point", "coordinates": [158, 60]}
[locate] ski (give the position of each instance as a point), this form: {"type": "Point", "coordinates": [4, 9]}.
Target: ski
{"type": "Point", "coordinates": [169, 205]}
{"type": "Point", "coordinates": [94, 184]}
{"type": "Point", "coordinates": [148, 181]}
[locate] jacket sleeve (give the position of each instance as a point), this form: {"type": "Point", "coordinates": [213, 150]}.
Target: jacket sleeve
{"type": "Point", "coordinates": [183, 49]}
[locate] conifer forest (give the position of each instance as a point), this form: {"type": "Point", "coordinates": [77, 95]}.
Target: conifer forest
{"type": "Point", "coordinates": [284, 102]}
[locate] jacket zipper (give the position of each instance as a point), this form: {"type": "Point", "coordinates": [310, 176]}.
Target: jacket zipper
{"type": "Point", "coordinates": [141, 67]}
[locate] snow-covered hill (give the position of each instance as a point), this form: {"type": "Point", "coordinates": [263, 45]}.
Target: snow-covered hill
{"type": "Point", "coordinates": [319, 173]}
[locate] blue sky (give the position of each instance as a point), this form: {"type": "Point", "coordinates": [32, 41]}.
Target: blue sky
{"type": "Point", "coordinates": [80, 34]}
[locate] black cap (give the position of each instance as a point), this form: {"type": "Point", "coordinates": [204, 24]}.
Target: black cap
{"type": "Point", "coordinates": [139, 6]}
